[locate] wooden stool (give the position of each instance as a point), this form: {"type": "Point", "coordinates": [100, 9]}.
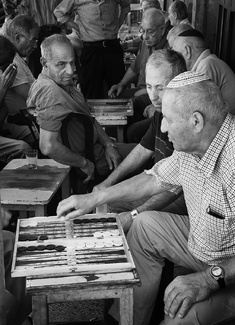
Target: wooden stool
{"type": "Point", "coordinates": [46, 291]}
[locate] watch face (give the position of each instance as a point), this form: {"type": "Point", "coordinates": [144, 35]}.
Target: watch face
{"type": "Point", "coordinates": [216, 271]}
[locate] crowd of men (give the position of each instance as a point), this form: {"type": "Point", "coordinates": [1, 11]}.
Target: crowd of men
{"type": "Point", "coordinates": [180, 155]}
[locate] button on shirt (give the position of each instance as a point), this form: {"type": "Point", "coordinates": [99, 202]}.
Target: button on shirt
{"type": "Point", "coordinates": [209, 181]}
{"type": "Point", "coordinates": [97, 20]}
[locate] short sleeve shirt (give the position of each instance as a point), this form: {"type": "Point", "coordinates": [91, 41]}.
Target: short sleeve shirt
{"type": "Point", "coordinates": [206, 182]}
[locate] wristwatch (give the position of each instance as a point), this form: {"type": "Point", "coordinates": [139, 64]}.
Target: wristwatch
{"type": "Point", "coordinates": [134, 213]}
{"type": "Point", "coordinates": [218, 274]}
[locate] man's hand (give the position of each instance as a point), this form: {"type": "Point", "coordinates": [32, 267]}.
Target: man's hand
{"type": "Point", "coordinates": [7, 77]}
{"type": "Point", "coordinates": [113, 157]}
{"type": "Point", "coordinates": [116, 90]}
{"type": "Point", "coordinates": [126, 220]}
{"type": "Point", "coordinates": [89, 170]}
{"type": "Point", "coordinates": [76, 205]}
{"type": "Point", "coordinates": [149, 111]}
{"type": "Point", "coordinates": [184, 291]}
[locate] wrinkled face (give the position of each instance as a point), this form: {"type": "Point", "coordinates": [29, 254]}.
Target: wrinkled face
{"type": "Point", "coordinates": [61, 66]}
{"type": "Point", "coordinates": [172, 17]}
{"type": "Point", "coordinates": [152, 32]}
{"type": "Point", "coordinates": [180, 130]}
{"type": "Point", "coordinates": [27, 43]}
{"type": "Point", "coordinates": [156, 81]}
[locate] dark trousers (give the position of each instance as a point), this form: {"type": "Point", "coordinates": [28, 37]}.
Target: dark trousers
{"type": "Point", "coordinates": [101, 65]}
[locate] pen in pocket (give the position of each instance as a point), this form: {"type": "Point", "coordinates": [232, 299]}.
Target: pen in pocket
{"type": "Point", "coordinates": [214, 214]}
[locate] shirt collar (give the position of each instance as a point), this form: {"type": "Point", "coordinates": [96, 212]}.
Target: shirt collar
{"type": "Point", "coordinates": [208, 162]}
{"type": "Point", "coordinates": [203, 55]}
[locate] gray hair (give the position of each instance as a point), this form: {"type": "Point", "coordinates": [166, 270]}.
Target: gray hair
{"type": "Point", "coordinates": [155, 16]}
{"type": "Point", "coordinates": [20, 24]}
{"type": "Point", "coordinates": [172, 61]}
{"type": "Point", "coordinates": [176, 30]}
{"type": "Point", "coordinates": [203, 97]}
{"type": "Point", "coordinates": [46, 46]}
{"type": "Point", "coordinates": [180, 9]}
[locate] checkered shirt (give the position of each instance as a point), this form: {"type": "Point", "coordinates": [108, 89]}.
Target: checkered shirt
{"type": "Point", "coordinates": [209, 181]}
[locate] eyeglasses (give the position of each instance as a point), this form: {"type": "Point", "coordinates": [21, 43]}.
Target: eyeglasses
{"type": "Point", "coordinates": [31, 41]}
{"type": "Point", "coordinates": [149, 32]}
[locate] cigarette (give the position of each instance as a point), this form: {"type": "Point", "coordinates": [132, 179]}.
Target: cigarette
{"type": "Point", "coordinates": [14, 67]}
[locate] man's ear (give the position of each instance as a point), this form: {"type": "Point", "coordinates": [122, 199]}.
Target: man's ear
{"type": "Point", "coordinates": [43, 62]}
{"type": "Point", "coordinates": [188, 52]}
{"type": "Point", "coordinates": [198, 121]}
{"type": "Point", "coordinates": [17, 37]}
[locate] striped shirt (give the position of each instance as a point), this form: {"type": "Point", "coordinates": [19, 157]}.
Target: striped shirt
{"type": "Point", "coordinates": [206, 182]}
{"type": "Point", "coordinates": [97, 19]}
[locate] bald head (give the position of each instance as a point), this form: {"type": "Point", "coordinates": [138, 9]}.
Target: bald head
{"type": "Point", "coordinates": [191, 47]}
{"type": "Point", "coordinates": [154, 17]}
{"type": "Point", "coordinates": [175, 31]}
{"type": "Point", "coordinates": [55, 41]}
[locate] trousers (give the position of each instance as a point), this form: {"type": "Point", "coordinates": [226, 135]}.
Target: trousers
{"type": "Point", "coordinates": [154, 237]}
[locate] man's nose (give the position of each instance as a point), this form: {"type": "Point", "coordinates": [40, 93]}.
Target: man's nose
{"type": "Point", "coordinates": [70, 69]}
{"type": "Point", "coordinates": [164, 128]}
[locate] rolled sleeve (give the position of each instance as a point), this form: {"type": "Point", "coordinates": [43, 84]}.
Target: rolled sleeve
{"type": "Point", "coordinates": [64, 12]}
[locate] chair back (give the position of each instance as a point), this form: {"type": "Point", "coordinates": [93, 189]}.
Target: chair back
{"type": "Point", "coordinates": [89, 147]}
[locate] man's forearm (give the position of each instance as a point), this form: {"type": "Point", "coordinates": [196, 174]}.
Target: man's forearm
{"type": "Point", "coordinates": [136, 158]}
{"type": "Point", "coordinates": [123, 13]}
{"type": "Point", "coordinates": [129, 76]}
{"type": "Point", "coordinates": [64, 155]}
{"type": "Point", "coordinates": [135, 188]}
{"type": "Point", "coordinates": [158, 202]}
{"type": "Point", "coordinates": [102, 136]}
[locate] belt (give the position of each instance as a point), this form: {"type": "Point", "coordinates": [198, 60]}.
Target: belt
{"type": "Point", "coordinates": [104, 43]}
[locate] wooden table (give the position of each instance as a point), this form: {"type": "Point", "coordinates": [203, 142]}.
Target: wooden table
{"type": "Point", "coordinates": [112, 112]}
{"type": "Point", "coordinates": [93, 262]}
{"type": "Point", "coordinates": [24, 189]}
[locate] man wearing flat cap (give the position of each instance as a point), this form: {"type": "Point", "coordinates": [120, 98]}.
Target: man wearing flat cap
{"type": "Point", "coordinates": [202, 131]}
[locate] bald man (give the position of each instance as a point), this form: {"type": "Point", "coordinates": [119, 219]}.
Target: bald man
{"type": "Point", "coordinates": [192, 45]}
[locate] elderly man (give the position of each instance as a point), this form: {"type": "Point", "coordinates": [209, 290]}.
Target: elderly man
{"type": "Point", "coordinates": [98, 23]}
{"type": "Point", "coordinates": [55, 96]}
{"type": "Point", "coordinates": [202, 133]}
{"type": "Point", "coordinates": [154, 32]}
{"type": "Point", "coordinates": [22, 31]}
{"type": "Point", "coordinates": [178, 13]}
{"type": "Point", "coordinates": [162, 66]}
{"type": "Point", "coordinates": [191, 44]}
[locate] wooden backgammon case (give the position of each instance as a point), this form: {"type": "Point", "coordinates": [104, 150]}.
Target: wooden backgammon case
{"type": "Point", "coordinates": [109, 107]}
{"type": "Point", "coordinates": [93, 243]}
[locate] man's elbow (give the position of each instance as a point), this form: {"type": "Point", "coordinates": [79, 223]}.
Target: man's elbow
{"type": "Point", "coordinates": [46, 148]}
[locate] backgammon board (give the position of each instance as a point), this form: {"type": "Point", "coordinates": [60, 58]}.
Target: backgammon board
{"type": "Point", "coordinates": [111, 107]}
{"type": "Point", "coordinates": [52, 246]}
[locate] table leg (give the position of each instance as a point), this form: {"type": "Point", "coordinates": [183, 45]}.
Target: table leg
{"type": "Point", "coordinates": [120, 133]}
{"type": "Point", "coordinates": [126, 307]}
{"type": "Point", "coordinates": [40, 311]}
{"type": "Point", "coordinates": [40, 211]}
{"type": "Point", "coordinates": [65, 187]}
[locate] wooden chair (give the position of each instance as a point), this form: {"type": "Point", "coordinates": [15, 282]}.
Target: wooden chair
{"type": "Point", "coordinates": [89, 153]}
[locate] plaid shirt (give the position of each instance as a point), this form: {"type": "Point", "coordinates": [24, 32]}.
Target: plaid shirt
{"type": "Point", "coordinates": [209, 181]}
